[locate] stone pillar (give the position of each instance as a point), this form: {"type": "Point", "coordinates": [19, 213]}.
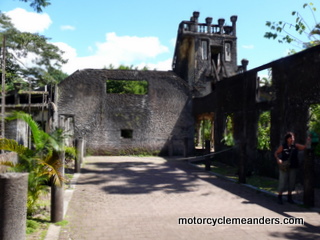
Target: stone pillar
{"type": "Point", "coordinates": [221, 22]}
{"type": "Point", "coordinates": [308, 182]}
{"type": "Point", "coordinates": [57, 196]}
{"type": "Point", "coordinates": [80, 149]}
{"type": "Point", "coordinates": [207, 146]}
{"type": "Point", "coordinates": [209, 22]}
{"type": "Point", "coordinates": [207, 158]}
{"type": "Point", "coordinates": [195, 17]}
{"type": "Point", "coordinates": [234, 24]}
{"type": "Point", "coordinates": [242, 160]}
{"type": "Point", "coordinates": [79, 158]}
{"type": "Point", "coordinates": [13, 204]}
{"type": "Point", "coordinates": [244, 64]}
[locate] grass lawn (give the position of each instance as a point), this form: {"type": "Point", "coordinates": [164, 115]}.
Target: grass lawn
{"type": "Point", "coordinates": [263, 183]}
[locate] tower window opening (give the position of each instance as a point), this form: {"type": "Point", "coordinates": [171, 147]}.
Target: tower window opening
{"type": "Point", "coordinates": [216, 61]}
{"type": "Point", "coordinates": [215, 55]}
{"type": "Point", "coordinates": [204, 46]}
{"type": "Point", "coordinates": [227, 52]}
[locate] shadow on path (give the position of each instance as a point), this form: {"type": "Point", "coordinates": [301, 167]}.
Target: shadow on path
{"type": "Point", "coordinates": [139, 177]}
{"type": "Point", "coordinates": [171, 176]}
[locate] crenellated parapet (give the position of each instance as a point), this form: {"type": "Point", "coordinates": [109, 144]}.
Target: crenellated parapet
{"type": "Point", "coordinates": [193, 26]}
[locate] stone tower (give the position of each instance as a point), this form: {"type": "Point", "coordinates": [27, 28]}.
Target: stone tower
{"type": "Point", "coordinates": [205, 53]}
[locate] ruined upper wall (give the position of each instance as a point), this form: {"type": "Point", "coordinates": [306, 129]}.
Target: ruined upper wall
{"type": "Point", "coordinates": [295, 86]}
{"type": "Point", "coordinates": [163, 113]}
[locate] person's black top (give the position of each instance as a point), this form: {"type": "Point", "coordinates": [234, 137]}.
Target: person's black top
{"type": "Point", "coordinates": [286, 151]}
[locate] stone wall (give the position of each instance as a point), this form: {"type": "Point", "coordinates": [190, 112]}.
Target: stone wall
{"type": "Point", "coordinates": [161, 117]}
{"type": "Point", "coordinates": [18, 131]}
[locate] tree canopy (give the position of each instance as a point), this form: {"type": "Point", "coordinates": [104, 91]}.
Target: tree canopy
{"type": "Point", "coordinates": [37, 5]}
{"type": "Point", "coordinates": [299, 32]}
{"type": "Point", "coordinates": [44, 59]}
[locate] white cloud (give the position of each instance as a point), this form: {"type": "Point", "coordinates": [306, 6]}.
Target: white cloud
{"type": "Point", "coordinates": [29, 21]}
{"type": "Point", "coordinates": [130, 48]}
{"type": "Point", "coordinates": [67, 27]}
{"type": "Point", "coordinates": [160, 66]}
{"type": "Point", "coordinates": [117, 50]}
{"type": "Point", "coordinates": [248, 46]}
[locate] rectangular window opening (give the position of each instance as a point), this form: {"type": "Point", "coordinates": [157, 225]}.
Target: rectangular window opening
{"type": "Point", "coordinates": [264, 126]}
{"type": "Point", "coordinates": [127, 133]}
{"type": "Point", "coordinates": [137, 87]}
{"type": "Point", "coordinates": [264, 88]}
{"type": "Point", "coordinates": [216, 62]}
{"type": "Point", "coordinates": [227, 51]}
{"type": "Point", "coordinates": [204, 45]}
{"type": "Point", "coordinates": [228, 139]}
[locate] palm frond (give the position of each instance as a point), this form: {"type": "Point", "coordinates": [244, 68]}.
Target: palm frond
{"type": "Point", "coordinates": [39, 137]}
{"type": "Point", "coordinates": [51, 167]}
{"type": "Point", "coordinates": [12, 146]}
{"type": "Point", "coordinates": [57, 138]}
{"type": "Point", "coordinates": [7, 163]}
{"type": "Point", "coordinates": [42, 162]}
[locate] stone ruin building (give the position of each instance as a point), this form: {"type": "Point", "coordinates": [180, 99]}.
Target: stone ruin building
{"type": "Point", "coordinates": [205, 83]}
{"type": "Point", "coordinates": [162, 120]}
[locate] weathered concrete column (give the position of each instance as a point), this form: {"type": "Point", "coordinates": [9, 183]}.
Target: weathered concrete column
{"type": "Point", "coordinates": [207, 158]}
{"type": "Point", "coordinates": [13, 204]}
{"type": "Point", "coordinates": [308, 182]}
{"type": "Point", "coordinates": [80, 149]}
{"type": "Point", "coordinates": [79, 158]}
{"type": "Point", "coordinates": [242, 161]}
{"type": "Point", "coordinates": [57, 196]}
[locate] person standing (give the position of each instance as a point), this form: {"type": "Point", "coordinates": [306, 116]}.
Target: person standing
{"type": "Point", "coordinates": [288, 165]}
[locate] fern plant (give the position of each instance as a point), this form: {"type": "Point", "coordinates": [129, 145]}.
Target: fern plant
{"type": "Point", "coordinates": [42, 161]}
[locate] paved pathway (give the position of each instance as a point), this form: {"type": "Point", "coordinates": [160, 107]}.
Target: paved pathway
{"type": "Point", "coordinates": [143, 198]}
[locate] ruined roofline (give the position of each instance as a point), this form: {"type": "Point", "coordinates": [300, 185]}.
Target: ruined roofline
{"type": "Point", "coordinates": [299, 55]}
{"type": "Point", "coordinates": [193, 26]}
{"type": "Point", "coordinates": [117, 70]}
{"type": "Point", "coordinates": [119, 74]}
{"type": "Point", "coordinates": [123, 73]}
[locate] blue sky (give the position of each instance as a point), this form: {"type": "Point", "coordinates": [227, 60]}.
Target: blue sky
{"type": "Point", "coordinates": [97, 33]}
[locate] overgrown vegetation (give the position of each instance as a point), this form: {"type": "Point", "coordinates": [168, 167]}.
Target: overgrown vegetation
{"type": "Point", "coordinates": [228, 132]}
{"type": "Point", "coordinates": [314, 127]}
{"type": "Point", "coordinates": [123, 67]}
{"type": "Point", "coordinates": [25, 47]}
{"type": "Point", "coordinates": [299, 33]}
{"type": "Point", "coordinates": [41, 161]}
{"type": "Point", "coordinates": [127, 87]}
{"type": "Point", "coordinates": [37, 227]}
{"type": "Point", "coordinates": [264, 126]}
{"type": "Point", "coordinates": [141, 152]}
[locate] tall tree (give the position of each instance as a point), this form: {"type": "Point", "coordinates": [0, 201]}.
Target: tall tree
{"type": "Point", "coordinates": [46, 58]}
{"type": "Point", "coordinates": [300, 33]}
